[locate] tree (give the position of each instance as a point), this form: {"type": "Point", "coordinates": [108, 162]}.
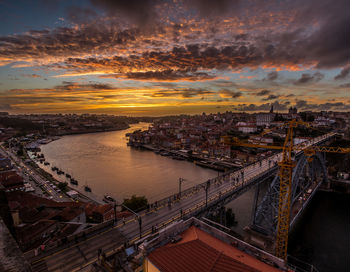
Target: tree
{"type": "Point", "coordinates": [62, 186]}
{"type": "Point", "coordinates": [136, 203]}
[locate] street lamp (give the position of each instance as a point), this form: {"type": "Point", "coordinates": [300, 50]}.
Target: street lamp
{"type": "Point", "coordinates": [140, 224]}
{"type": "Point", "coordinates": [207, 185]}
{"type": "Point", "coordinates": [180, 182]}
{"type": "Point", "coordinates": [115, 212]}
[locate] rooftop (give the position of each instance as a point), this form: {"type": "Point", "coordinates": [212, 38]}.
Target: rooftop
{"type": "Point", "coordinates": [199, 251]}
{"type": "Point", "coordinates": [193, 245]}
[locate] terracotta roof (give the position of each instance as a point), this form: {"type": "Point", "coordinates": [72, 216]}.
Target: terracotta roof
{"type": "Point", "coordinates": [34, 201]}
{"type": "Point", "coordinates": [199, 251]}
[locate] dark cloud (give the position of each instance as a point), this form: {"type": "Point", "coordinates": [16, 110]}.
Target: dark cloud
{"type": "Point", "coordinates": [185, 93]}
{"type": "Point", "coordinates": [139, 11]}
{"type": "Point", "coordinates": [64, 42]}
{"type": "Point", "coordinates": [270, 97]}
{"type": "Point", "coordinates": [81, 15]}
{"type": "Point", "coordinates": [67, 85]}
{"type": "Point", "coordinates": [271, 76]}
{"type": "Point", "coordinates": [346, 85]}
{"type": "Point", "coordinates": [330, 44]}
{"type": "Point", "coordinates": [230, 93]}
{"type": "Point", "coordinates": [179, 58]}
{"type": "Point", "coordinates": [301, 43]}
{"type": "Point", "coordinates": [263, 92]}
{"type": "Point", "coordinates": [5, 107]}
{"type": "Point", "coordinates": [169, 75]}
{"type": "Point", "coordinates": [263, 107]}
{"type": "Point", "coordinates": [343, 74]}
{"type": "Point", "coordinates": [305, 105]}
{"type": "Point", "coordinates": [31, 75]}
{"type": "Point", "coordinates": [213, 8]}
{"type": "Point", "coordinates": [308, 78]}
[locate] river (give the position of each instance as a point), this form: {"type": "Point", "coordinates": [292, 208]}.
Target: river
{"type": "Point", "coordinates": [107, 165]}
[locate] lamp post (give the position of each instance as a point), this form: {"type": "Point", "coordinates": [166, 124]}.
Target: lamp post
{"type": "Point", "coordinates": [207, 185]}
{"type": "Point", "coordinates": [140, 224]}
{"type": "Point", "coordinates": [180, 182]}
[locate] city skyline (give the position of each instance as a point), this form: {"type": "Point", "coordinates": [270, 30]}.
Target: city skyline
{"type": "Point", "coordinates": [170, 57]}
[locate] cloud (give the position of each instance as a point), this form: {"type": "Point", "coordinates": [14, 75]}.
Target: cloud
{"type": "Point", "coordinates": [139, 11]}
{"type": "Point", "coordinates": [252, 34]}
{"type": "Point", "coordinates": [343, 74]}
{"type": "Point", "coordinates": [308, 78]}
{"type": "Point", "coordinates": [31, 75]}
{"type": "Point", "coordinates": [263, 92]}
{"type": "Point", "coordinates": [262, 107]}
{"type": "Point", "coordinates": [305, 105]}
{"type": "Point", "coordinates": [169, 75]}
{"type": "Point", "coordinates": [184, 93]}
{"type": "Point", "coordinates": [73, 86]}
{"type": "Point", "coordinates": [225, 93]}
{"type": "Point", "coordinates": [214, 8]}
{"type": "Point", "coordinates": [270, 97]}
{"type": "Point", "coordinates": [346, 85]}
{"type": "Point", "coordinates": [5, 107]}
{"type": "Point", "coordinates": [271, 76]}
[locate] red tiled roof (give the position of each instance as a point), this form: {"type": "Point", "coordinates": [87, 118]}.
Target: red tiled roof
{"type": "Point", "coordinates": [34, 201]}
{"type": "Point", "coordinates": [195, 256]}
{"type": "Point", "coordinates": [199, 251]}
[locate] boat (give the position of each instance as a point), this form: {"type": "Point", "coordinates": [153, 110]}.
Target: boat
{"type": "Point", "coordinates": [73, 181]}
{"type": "Point", "coordinates": [87, 188]}
{"type": "Point", "coordinates": [178, 158]}
{"type": "Point", "coordinates": [108, 198]}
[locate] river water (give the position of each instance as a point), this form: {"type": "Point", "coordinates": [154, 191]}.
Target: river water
{"type": "Point", "coordinates": [107, 165]}
{"type": "Point", "coordinates": [323, 235]}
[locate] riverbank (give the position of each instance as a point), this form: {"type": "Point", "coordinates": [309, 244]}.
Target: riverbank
{"type": "Point", "coordinates": [214, 164]}
{"type": "Point", "coordinates": [49, 176]}
{"type": "Point", "coordinates": [95, 130]}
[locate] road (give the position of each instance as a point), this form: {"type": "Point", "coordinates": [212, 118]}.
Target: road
{"type": "Point", "coordinates": [30, 174]}
{"type": "Point", "coordinates": [86, 253]}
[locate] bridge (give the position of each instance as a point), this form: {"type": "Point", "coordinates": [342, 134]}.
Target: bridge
{"type": "Point", "coordinates": [195, 201]}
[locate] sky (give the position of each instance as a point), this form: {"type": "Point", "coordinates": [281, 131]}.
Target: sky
{"type": "Point", "coordinates": [157, 57]}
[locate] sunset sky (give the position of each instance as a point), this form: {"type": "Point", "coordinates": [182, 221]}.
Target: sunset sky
{"type": "Point", "coordinates": [153, 57]}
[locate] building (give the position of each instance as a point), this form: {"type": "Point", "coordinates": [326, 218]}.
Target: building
{"type": "Point", "coordinates": [193, 245]}
{"type": "Point", "coordinates": [264, 119]}
{"type": "Point", "coordinates": [5, 164]}
{"type": "Point", "coordinates": [11, 181]}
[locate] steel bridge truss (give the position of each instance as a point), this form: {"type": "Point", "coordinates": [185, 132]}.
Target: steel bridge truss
{"type": "Point", "coordinates": [216, 204]}
{"type": "Point", "coordinates": [308, 174]}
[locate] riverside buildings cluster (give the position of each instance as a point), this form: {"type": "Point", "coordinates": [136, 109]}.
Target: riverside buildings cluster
{"type": "Point", "coordinates": [199, 137]}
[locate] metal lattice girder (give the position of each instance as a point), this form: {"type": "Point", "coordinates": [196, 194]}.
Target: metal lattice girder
{"type": "Point", "coordinates": [266, 215]}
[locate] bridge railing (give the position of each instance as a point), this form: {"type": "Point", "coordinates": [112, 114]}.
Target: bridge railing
{"type": "Point", "coordinates": [213, 181]}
